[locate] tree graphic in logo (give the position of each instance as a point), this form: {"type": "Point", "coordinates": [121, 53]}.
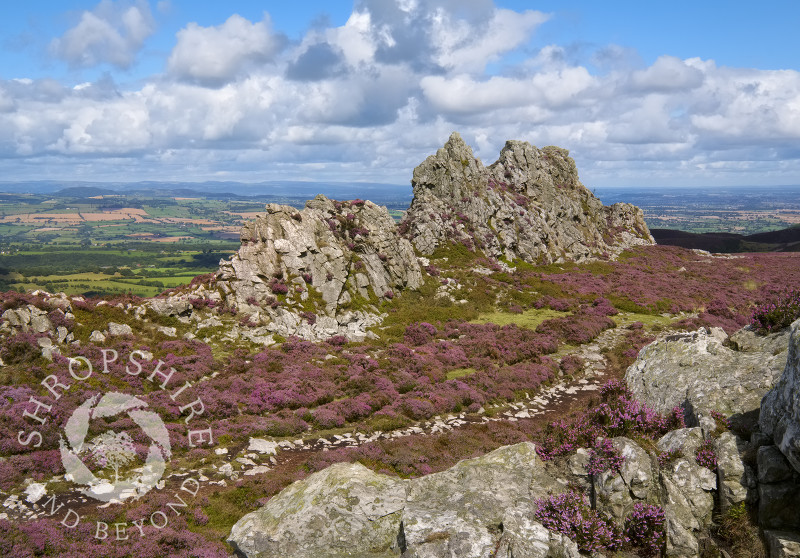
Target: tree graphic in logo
{"type": "Point", "coordinates": [114, 450]}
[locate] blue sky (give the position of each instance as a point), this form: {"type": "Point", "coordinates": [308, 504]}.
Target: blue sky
{"type": "Point", "coordinates": [641, 93]}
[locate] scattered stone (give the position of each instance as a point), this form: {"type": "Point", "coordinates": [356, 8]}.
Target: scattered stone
{"type": "Point", "coordinates": [97, 337]}
{"type": "Point", "coordinates": [116, 329]}
{"type": "Point", "coordinates": [35, 492]}
{"type": "Point", "coordinates": [263, 446]}
{"type": "Point", "coordinates": [168, 331]}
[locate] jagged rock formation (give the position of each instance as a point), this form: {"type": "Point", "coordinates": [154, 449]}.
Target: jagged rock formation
{"type": "Point", "coordinates": [699, 372]}
{"type": "Point", "coordinates": [479, 508]}
{"type": "Point", "coordinates": [780, 409]}
{"type": "Point", "coordinates": [733, 380]}
{"type": "Point", "coordinates": [779, 464]}
{"type": "Point", "coordinates": [335, 260]}
{"type": "Point", "coordinates": [528, 205]}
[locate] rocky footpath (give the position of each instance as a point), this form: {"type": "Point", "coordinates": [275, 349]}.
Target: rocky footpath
{"type": "Point", "coordinates": [485, 506]}
{"type": "Point", "coordinates": [528, 205]}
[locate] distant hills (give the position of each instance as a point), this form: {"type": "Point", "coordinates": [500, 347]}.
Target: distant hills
{"type": "Point", "coordinates": [784, 240]}
{"type": "Point", "coordinates": [385, 194]}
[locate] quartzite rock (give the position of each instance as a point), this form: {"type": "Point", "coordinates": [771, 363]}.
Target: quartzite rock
{"type": "Point", "coordinates": [322, 259]}
{"type": "Point", "coordinates": [459, 512]}
{"type": "Point", "coordinates": [733, 481]}
{"type": "Point", "coordinates": [616, 490]}
{"type": "Point", "coordinates": [697, 371]}
{"type": "Point", "coordinates": [344, 510]}
{"type": "Point", "coordinates": [780, 409]}
{"type": "Point", "coordinates": [528, 205]}
{"type": "Point", "coordinates": [479, 508]}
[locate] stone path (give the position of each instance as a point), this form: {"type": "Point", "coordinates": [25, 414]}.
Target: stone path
{"type": "Point", "coordinates": [261, 455]}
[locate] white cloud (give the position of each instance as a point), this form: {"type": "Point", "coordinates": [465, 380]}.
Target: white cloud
{"type": "Point", "coordinates": [215, 55]}
{"type": "Point", "coordinates": [112, 33]}
{"type": "Point", "coordinates": [668, 74]}
{"type": "Point", "coordinates": [546, 90]}
{"type": "Point", "coordinates": [370, 99]}
{"type": "Point", "coordinates": [355, 38]}
{"type": "Point", "coordinates": [461, 49]}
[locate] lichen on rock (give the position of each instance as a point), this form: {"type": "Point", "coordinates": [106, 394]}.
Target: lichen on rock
{"type": "Point", "coordinates": [529, 205]}
{"type": "Point", "coordinates": [335, 260]}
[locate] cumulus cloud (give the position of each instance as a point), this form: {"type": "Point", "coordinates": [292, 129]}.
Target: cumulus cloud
{"type": "Point", "coordinates": [216, 55]}
{"type": "Point", "coordinates": [112, 33]}
{"type": "Point", "coordinates": [463, 48]}
{"type": "Point", "coordinates": [546, 90]}
{"type": "Point", "coordinates": [319, 61]}
{"type": "Point", "coordinates": [369, 99]}
{"type": "Point", "coordinates": [668, 74]}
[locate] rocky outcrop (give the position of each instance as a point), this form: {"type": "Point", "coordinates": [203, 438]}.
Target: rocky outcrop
{"type": "Point", "coordinates": [616, 491]}
{"type": "Point", "coordinates": [779, 464]}
{"type": "Point", "coordinates": [700, 372]}
{"type": "Point", "coordinates": [321, 271]}
{"type": "Point", "coordinates": [346, 510]}
{"type": "Point", "coordinates": [41, 319]}
{"type": "Point", "coordinates": [780, 410]}
{"type": "Point", "coordinates": [528, 205]}
{"type": "Point", "coordinates": [479, 508]}
{"type": "Point", "coordinates": [704, 371]}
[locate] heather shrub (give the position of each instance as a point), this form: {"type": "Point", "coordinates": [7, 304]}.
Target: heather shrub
{"type": "Point", "coordinates": [326, 418]}
{"type": "Point", "coordinates": [419, 333]}
{"type": "Point", "coordinates": [617, 414]}
{"type": "Point", "coordinates": [569, 514]}
{"type": "Point", "coordinates": [722, 424]}
{"type": "Point", "coordinates": [21, 348]}
{"type": "Point", "coordinates": [667, 457]}
{"type": "Point", "coordinates": [578, 328]}
{"type": "Point", "coordinates": [777, 314]}
{"type": "Point", "coordinates": [603, 456]}
{"type": "Point", "coordinates": [706, 456]}
{"type": "Point", "coordinates": [644, 528]}
{"type": "Point", "coordinates": [278, 287]}
{"type": "Point", "coordinates": [337, 340]}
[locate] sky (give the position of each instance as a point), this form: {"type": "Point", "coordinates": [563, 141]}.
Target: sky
{"type": "Point", "coordinates": [662, 94]}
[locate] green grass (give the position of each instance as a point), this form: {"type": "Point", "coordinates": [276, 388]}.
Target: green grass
{"type": "Point", "coordinates": [460, 373]}
{"type": "Point", "coordinates": [529, 319]}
